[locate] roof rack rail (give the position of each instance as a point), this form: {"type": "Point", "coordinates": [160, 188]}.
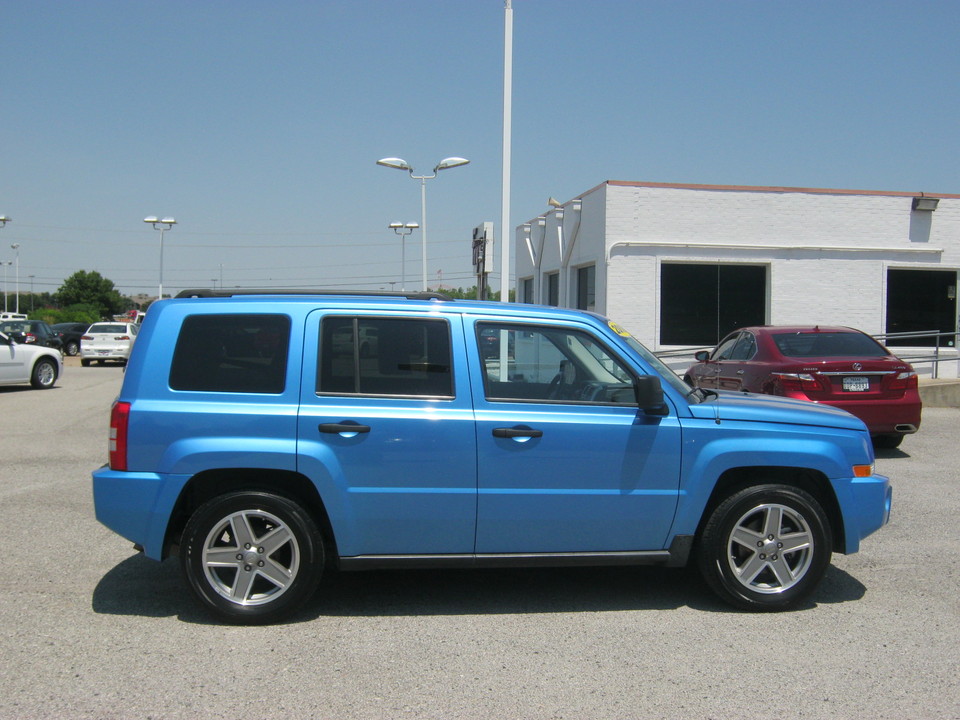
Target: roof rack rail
{"type": "Point", "coordinates": [209, 293]}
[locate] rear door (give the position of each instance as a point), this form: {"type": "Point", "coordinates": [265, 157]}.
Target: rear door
{"type": "Point", "coordinates": [567, 463]}
{"type": "Point", "coordinates": [386, 431]}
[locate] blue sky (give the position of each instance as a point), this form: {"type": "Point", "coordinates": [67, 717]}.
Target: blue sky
{"type": "Point", "coordinates": [258, 124]}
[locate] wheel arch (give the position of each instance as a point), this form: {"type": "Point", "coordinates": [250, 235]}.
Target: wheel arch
{"type": "Point", "coordinates": [812, 482]}
{"type": "Point", "coordinates": [209, 484]}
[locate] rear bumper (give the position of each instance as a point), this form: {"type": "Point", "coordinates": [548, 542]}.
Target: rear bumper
{"type": "Point", "coordinates": [886, 416]}
{"type": "Point", "coordinates": [136, 505]}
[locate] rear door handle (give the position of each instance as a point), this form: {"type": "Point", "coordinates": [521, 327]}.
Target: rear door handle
{"type": "Point", "coordinates": [345, 427]}
{"type": "Point", "coordinates": [520, 431]}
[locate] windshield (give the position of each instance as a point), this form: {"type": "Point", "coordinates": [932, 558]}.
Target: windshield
{"type": "Point", "coordinates": [828, 344]}
{"type": "Point", "coordinates": [652, 360]}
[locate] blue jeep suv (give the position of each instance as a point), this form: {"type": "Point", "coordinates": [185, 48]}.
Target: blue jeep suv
{"type": "Point", "coordinates": [265, 439]}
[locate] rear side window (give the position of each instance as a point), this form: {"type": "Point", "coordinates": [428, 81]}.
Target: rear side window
{"type": "Point", "coordinates": [231, 353]}
{"type": "Point", "coordinates": [385, 356]}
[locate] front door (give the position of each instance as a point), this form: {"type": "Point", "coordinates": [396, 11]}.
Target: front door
{"type": "Point", "coordinates": [566, 460]}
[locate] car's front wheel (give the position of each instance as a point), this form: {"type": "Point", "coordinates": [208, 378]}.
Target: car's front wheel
{"type": "Point", "coordinates": [252, 557]}
{"type": "Point", "coordinates": [766, 547]}
{"type": "Point", "coordinates": [44, 374]}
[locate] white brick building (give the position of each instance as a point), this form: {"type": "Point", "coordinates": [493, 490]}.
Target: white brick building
{"type": "Point", "coordinates": [681, 265]}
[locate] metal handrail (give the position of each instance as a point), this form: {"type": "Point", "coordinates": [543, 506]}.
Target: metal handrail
{"type": "Point", "coordinates": [934, 357]}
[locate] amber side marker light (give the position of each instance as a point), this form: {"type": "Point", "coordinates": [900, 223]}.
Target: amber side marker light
{"type": "Point", "coordinates": [862, 470]}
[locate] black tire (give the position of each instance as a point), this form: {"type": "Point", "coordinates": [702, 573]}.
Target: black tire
{"type": "Point", "coordinates": [887, 442]}
{"type": "Point", "coordinates": [252, 558]}
{"type": "Point", "coordinates": [72, 349]}
{"type": "Point", "coordinates": [85, 362]}
{"type": "Point", "coordinates": [766, 547]}
{"type": "Point", "coordinates": [44, 374]}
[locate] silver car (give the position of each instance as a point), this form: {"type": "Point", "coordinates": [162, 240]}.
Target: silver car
{"type": "Point", "coordinates": [107, 341]}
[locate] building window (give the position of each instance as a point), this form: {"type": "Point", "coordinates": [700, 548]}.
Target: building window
{"type": "Point", "coordinates": [526, 291]}
{"type": "Point", "coordinates": [700, 304]}
{"type": "Point", "coordinates": [553, 289]}
{"type": "Point", "coordinates": [921, 301]}
{"type": "Point", "coordinates": [587, 287]}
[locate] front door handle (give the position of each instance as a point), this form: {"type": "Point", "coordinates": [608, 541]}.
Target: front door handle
{"type": "Point", "coordinates": [520, 431]}
{"type": "Point", "coordinates": [344, 427]}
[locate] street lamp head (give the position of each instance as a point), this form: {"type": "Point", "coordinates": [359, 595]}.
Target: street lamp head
{"type": "Point", "coordinates": [168, 221]}
{"type": "Point", "coordinates": [392, 162]}
{"type": "Point", "coordinates": [15, 246]}
{"type": "Point", "coordinates": [450, 162]}
{"type": "Point", "coordinates": [4, 220]}
{"type": "Point", "coordinates": [152, 219]}
{"type": "Point", "coordinates": [412, 226]}
{"type": "Point", "coordinates": [395, 226]}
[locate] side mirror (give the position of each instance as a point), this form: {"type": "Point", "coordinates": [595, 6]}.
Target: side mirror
{"type": "Point", "coordinates": [701, 355]}
{"type": "Point", "coordinates": [649, 395]}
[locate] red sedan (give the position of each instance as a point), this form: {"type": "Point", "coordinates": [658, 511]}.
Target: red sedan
{"type": "Point", "coordinates": [836, 366]}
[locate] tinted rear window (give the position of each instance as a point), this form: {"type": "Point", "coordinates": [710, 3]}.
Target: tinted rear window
{"type": "Point", "coordinates": [231, 353]}
{"type": "Point", "coordinates": [107, 328]}
{"type": "Point", "coordinates": [826, 344]}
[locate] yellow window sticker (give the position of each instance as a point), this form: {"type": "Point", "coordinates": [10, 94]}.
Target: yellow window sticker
{"type": "Point", "coordinates": [617, 329]}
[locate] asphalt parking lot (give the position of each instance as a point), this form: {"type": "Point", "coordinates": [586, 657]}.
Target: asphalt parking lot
{"type": "Point", "coordinates": [92, 630]}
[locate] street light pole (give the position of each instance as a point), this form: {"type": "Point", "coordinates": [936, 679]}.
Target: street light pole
{"type": "Point", "coordinates": [161, 224]}
{"type": "Point", "coordinates": [399, 228]}
{"type": "Point", "coordinates": [5, 263]}
{"type": "Point", "coordinates": [3, 222]}
{"type": "Point", "coordinates": [16, 247]}
{"type": "Point", "coordinates": [401, 164]}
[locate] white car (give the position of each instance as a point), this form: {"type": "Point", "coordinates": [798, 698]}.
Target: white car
{"type": "Point", "coordinates": [22, 363]}
{"type": "Point", "coordinates": [107, 341]}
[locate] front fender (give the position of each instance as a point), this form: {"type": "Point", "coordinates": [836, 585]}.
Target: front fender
{"type": "Point", "coordinates": [710, 451]}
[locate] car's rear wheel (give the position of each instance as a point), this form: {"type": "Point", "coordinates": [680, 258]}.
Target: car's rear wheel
{"type": "Point", "coordinates": [44, 374]}
{"type": "Point", "coordinates": [888, 441]}
{"type": "Point", "coordinates": [252, 557]}
{"type": "Point", "coordinates": [766, 547]}
{"type": "Point", "coordinates": [72, 349]}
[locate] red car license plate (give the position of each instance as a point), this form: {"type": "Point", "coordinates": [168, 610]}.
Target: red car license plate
{"type": "Point", "coordinates": [856, 384]}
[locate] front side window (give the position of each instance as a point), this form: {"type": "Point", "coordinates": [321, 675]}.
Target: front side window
{"type": "Point", "coordinates": [406, 357]}
{"type": "Point", "coordinates": [550, 364]}
{"type": "Point", "coordinates": [231, 353]}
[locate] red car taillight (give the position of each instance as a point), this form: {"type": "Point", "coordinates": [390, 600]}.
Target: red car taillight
{"type": "Point", "coordinates": [906, 380]}
{"type": "Point", "coordinates": [122, 337]}
{"type": "Point", "coordinates": [794, 382]}
{"type": "Point", "coordinates": [119, 420]}
{"type": "Point", "coordinates": [86, 337]}
{"type": "Point", "coordinates": [29, 338]}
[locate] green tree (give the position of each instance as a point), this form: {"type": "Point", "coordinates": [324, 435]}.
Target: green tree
{"type": "Point", "coordinates": [90, 288]}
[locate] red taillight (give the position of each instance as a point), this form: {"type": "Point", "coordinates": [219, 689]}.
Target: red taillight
{"type": "Point", "coordinates": [794, 382]}
{"type": "Point", "coordinates": [119, 420]}
{"type": "Point", "coordinates": [86, 337]}
{"type": "Point", "coordinates": [906, 380]}
{"type": "Point", "coordinates": [29, 338]}
{"type": "Point", "coordinates": [122, 337]}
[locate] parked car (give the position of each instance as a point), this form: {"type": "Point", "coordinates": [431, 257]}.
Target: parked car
{"type": "Point", "coordinates": [107, 341]}
{"type": "Point", "coordinates": [836, 366]}
{"type": "Point", "coordinates": [32, 332]}
{"type": "Point", "coordinates": [70, 334]}
{"type": "Point", "coordinates": [28, 363]}
{"type": "Point", "coordinates": [254, 440]}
